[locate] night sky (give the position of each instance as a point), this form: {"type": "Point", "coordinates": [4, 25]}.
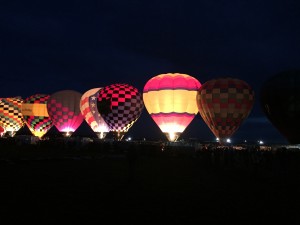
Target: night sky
{"type": "Point", "coordinates": [48, 46]}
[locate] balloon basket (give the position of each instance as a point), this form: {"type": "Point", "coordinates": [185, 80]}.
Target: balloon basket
{"type": "Point", "coordinates": [10, 133]}
{"type": "Point", "coordinates": [172, 137]}
{"type": "Point", "coordinates": [101, 135]}
{"type": "Point", "coordinates": [118, 136]}
{"type": "Point", "coordinates": [67, 134]}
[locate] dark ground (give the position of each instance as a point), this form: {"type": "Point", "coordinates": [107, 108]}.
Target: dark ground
{"type": "Point", "coordinates": [154, 188]}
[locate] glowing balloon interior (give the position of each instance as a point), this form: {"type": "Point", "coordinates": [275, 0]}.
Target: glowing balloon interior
{"type": "Point", "coordinates": [170, 99]}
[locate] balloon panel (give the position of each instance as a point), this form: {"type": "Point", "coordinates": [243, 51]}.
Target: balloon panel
{"type": "Point", "coordinates": [101, 125]}
{"type": "Point", "coordinates": [85, 107]}
{"type": "Point", "coordinates": [168, 101]}
{"type": "Point", "coordinates": [280, 101]}
{"type": "Point", "coordinates": [35, 114]}
{"type": "Point", "coordinates": [120, 105]}
{"type": "Point", "coordinates": [85, 104]}
{"type": "Point", "coordinates": [223, 104]}
{"type": "Point", "coordinates": [171, 81]}
{"type": "Point", "coordinates": [88, 107]}
{"type": "Point", "coordinates": [64, 110]}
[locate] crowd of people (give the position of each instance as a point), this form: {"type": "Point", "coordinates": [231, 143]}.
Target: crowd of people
{"type": "Point", "coordinates": [248, 157]}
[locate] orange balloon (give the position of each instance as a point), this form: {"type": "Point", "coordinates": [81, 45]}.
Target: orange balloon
{"type": "Point", "coordinates": [170, 99]}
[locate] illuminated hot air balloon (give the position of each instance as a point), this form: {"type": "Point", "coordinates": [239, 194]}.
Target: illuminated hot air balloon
{"type": "Point", "coordinates": [280, 101]}
{"type": "Point", "coordinates": [224, 104]}
{"type": "Point", "coordinates": [10, 115]}
{"type": "Point", "coordinates": [88, 108]}
{"type": "Point", "coordinates": [35, 114]}
{"type": "Point", "coordinates": [64, 111]}
{"type": "Point", "coordinates": [120, 105]}
{"type": "Point", "coordinates": [170, 99]}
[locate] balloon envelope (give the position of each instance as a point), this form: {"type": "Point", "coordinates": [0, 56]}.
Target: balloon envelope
{"type": "Point", "coordinates": [170, 99]}
{"type": "Point", "coordinates": [280, 101]}
{"type": "Point", "coordinates": [224, 104]}
{"type": "Point", "coordinates": [64, 111]}
{"type": "Point", "coordinates": [10, 114]}
{"type": "Point", "coordinates": [88, 108]}
{"type": "Point", "coordinates": [120, 105]}
{"type": "Point", "coordinates": [35, 114]}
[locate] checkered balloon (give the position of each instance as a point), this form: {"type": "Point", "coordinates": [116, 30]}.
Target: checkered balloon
{"type": "Point", "coordinates": [120, 105]}
{"type": "Point", "coordinates": [64, 111]}
{"type": "Point", "coordinates": [35, 114]}
{"type": "Point", "coordinates": [10, 114]}
{"type": "Point", "coordinates": [224, 104]}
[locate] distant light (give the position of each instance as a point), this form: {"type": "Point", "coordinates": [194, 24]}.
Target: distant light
{"type": "Point", "coordinates": [217, 139]}
{"type": "Point", "coordinates": [260, 142]}
{"type": "Point", "coordinates": [245, 141]}
{"type": "Point", "coordinates": [129, 139]}
{"type": "Point", "coordinates": [228, 140]}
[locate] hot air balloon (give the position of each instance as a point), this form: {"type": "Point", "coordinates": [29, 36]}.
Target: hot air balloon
{"type": "Point", "coordinates": [35, 114]}
{"type": "Point", "coordinates": [10, 115]}
{"type": "Point", "coordinates": [224, 104]}
{"type": "Point", "coordinates": [120, 105]}
{"type": "Point", "coordinates": [64, 111]}
{"type": "Point", "coordinates": [280, 101]}
{"type": "Point", "coordinates": [88, 108]}
{"type": "Point", "coordinates": [170, 99]}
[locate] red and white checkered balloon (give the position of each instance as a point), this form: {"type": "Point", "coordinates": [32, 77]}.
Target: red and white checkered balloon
{"type": "Point", "coordinates": [120, 105]}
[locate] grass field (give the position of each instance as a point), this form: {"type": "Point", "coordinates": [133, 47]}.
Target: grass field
{"type": "Point", "coordinates": [90, 187]}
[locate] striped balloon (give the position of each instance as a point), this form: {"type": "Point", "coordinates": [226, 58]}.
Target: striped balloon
{"type": "Point", "coordinates": [170, 99]}
{"type": "Point", "coordinates": [88, 108]}
{"type": "Point", "coordinates": [10, 114]}
{"type": "Point", "coordinates": [224, 103]}
{"type": "Point", "coordinates": [35, 114]}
